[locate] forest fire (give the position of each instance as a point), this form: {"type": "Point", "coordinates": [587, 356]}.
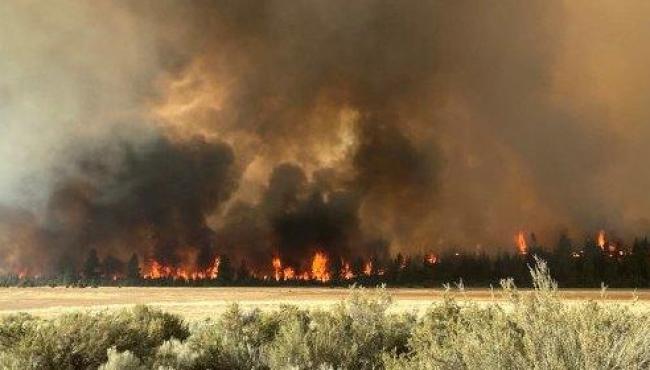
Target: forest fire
{"type": "Point", "coordinates": [600, 240]}
{"type": "Point", "coordinates": [431, 258]}
{"type": "Point", "coordinates": [367, 268]}
{"type": "Point", "coordinates": [319, 267]}
{"type": "Point", "coordinates": [341, 171]}
{"type": "Point", "coordinates": [319, 270]}
{"type": "Point", "coordinates": [288, 273]}
{"type": "Point", "coordinates": [522, 245]}
{"type": "Point", "coordinates": [323, 266]}
{"type": "Point", "coordinates": [277, 268]}
{"type": "Point", "coordinates": [158, 270]}
{"type": "Point", "coordinates": [346, 272]}
{"type": "Point", "coordinates": [428, 269]}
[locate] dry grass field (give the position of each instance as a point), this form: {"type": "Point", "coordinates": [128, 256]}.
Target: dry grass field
{"type": "Point", "coordinates": [198, 303]}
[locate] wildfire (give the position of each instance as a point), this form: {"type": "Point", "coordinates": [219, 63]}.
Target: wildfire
{"type": "Point", "coordinates": [319, 269]}
{"type": "Point", "coordinates": [600, 239]}
{"type": "Point", "coordinates": [213, 271]}
{"type": "Point", "coordinates": [367, 268]}
{"type": "Point", "coordinates": [159, 271]}
{"type": "Point", "coordinates": [522, 246]}
{"type": "Point", "coordinates": [431, 258]}
{"type": "Point", "coordinates": [346, 271]}
{"type": "Point", "coordinates": [277, 267]}
{"type": "Point", "coordinates": [289, 273]}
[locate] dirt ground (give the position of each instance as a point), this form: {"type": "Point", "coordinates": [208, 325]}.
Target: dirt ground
{"type": "Point", "coordinates": [198, 303]}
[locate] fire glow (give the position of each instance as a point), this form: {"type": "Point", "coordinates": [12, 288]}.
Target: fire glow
{"type": "Point", "coordinates": [522, 245]}
{"type": "Point", "coordinates": [319, 267]}
{"type": "Point", "coordinates": [156, 270]}
{"type": "Point", "coordinates": [601, 241]}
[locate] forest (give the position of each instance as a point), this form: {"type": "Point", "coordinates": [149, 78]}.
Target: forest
{"type": "Point", "coordinates": [590, 265]}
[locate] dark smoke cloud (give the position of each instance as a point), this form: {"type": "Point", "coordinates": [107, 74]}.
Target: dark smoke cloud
{"type": "Point", "coordinates": [398, 180]}
{"type": "Point", "coordinates": [320, 84]}
{"type": "Point", "coordinates": [154, 201]}
{"type": "Point", "coordinates": [294, 219]}
{"type": "Point", "coordinates": [309, 218]}
{"type": "Point", "coordinates": [426, 124]}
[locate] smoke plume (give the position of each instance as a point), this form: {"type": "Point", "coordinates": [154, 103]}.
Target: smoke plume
{"type": "Point", "coordinates": [180, 130]}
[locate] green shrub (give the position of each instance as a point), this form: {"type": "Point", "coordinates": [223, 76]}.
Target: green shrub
{"type": "Point", "coordinates": [235, 341]}
{"type": "Point", "coordinates": [175, 355]}
{"type": "Point", "coordinates": [81, 340]}
{"type": "Point", "coordinates": [354, 335]}
{"type": "Point", "coordinates": [121, 361]}
{"type": "Point", "coordinates": [527, 331]}
{"type": "Point", "coordinates": [13, 328]}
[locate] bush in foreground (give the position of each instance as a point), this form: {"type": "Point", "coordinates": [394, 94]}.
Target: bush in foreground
{"type": "Point", "coordinates": [531, 330]}
{"type": "Point", "coordinates": [81, 340]}
{"type": "Point", "coordinates": [528, 331]}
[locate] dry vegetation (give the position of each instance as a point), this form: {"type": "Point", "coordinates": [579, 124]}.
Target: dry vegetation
{"type": "Point", "coordinates": [517, 330]}
{"type": "Point", "coordinates": [202, 303]}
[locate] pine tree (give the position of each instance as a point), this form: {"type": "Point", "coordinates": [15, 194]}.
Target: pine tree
{"type": "Point", "coordinates": [357, 266]}
{"type": "Point", "coordinates": [641, 262]}
{"type": "Point", "coordinates": [243, 274]}
{"type": "Point", "coordinates": [335, 270]}
{"type": "Point", "coordinates": [592, 264]}
{"type": "Point", "coordinates": [226, 273]}
{"type": "Point", "coordinates": [133, 268]}
{"type": "Point", "coordinates": [67, 274]}
{"type": "Point", "coordinates": [112, 267]}
{"type": "Point", "coordinates": [562, 260]}
{"type": "Point", "coordinates": [92, 266]}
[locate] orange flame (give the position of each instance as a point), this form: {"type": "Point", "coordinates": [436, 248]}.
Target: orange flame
{"type": "Point", "coordinates": [159, 271]}
{"type": "Point", "coordinates": [277, 267]}
{"type": "Point", "coordinates": [431, 258]}
{"type": "Point", "coordinates": [367, 268]}
{"type": "Point", "coordinates": [213, 271]}
{"type": "Point", "coordinates": [155, 270]}
{"type": "Point", "coordinates": [346, 272]}
{"type": "Point", "coordinates": [522, 246]}
{"type": "Point", "coordinates": [319, 267]}
{"type": "Point", "coordinates": [289, 273]}
{"type": "Point", "coordinates": [600, 239]}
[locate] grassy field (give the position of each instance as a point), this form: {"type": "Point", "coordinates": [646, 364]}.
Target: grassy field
{"type": "Point", "coordinates": [197, 303]}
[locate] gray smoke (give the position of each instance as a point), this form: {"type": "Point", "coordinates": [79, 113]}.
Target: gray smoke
{"type": "Point", "coordinates": [331, 125]}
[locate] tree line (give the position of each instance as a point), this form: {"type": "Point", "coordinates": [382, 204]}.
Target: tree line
{"type": "Point", "coordinates": [587, 267]}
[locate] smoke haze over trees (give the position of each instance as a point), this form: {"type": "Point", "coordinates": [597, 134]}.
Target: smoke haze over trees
{"type": "Point", "coordinates": [185, 130]}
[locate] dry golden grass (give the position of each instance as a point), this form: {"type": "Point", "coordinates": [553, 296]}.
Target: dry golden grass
{"type": "Point", "coordinates": [197, 303]}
